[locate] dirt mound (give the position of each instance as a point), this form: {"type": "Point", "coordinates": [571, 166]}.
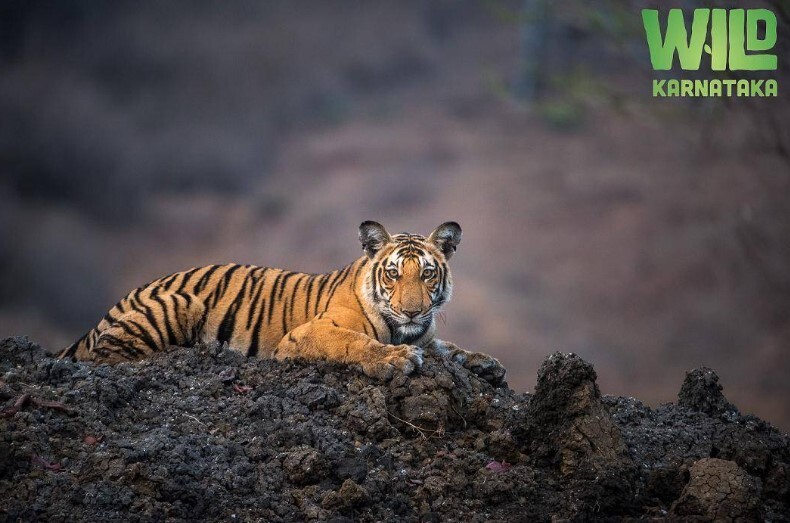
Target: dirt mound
{"type": "Point", "coordinates": [206, 433]}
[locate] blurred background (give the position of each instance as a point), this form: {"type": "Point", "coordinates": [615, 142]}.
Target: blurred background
{"type": "Point", "coordinates": [648, 235]}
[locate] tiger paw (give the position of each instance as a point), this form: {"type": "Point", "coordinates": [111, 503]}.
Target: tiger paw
{"type": "Point", "coordinates": [485, 366]}
{"type": "Point", "coordinates": [401, 358]}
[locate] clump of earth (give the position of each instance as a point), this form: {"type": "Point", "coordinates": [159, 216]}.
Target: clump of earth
{"type": "Point", "coordinates": [205, 433]}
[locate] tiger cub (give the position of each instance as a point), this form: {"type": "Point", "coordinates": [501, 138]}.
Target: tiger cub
{"type": "Point", "coordinates": [377, 312]}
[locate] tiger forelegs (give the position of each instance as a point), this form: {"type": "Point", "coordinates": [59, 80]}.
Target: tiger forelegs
{"type": "Point", "coordinates": [321, 339]}
{"type": "Point", "coordinates": [481, 364]}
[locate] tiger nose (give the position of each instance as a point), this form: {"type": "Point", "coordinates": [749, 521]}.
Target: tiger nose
{"type": "Point", "coordinates": [411, 313]}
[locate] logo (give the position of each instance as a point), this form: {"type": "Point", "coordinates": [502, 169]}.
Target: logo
{"type": "Point", "coordinates": [735, 39]}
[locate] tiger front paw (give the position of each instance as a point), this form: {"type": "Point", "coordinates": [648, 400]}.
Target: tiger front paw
{"type": "Point", "coordinates": [402, 358]}
{"type": "Point", "coordinates": [485, 366]}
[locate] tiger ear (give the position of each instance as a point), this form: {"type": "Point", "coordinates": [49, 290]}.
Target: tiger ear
{"type": "Point", "coordinates": [373, 236]}
{"type": "Point", "coordinates": [447, 236]}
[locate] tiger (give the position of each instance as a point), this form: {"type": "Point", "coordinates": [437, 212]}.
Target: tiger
{"type": "Point", "coordinates": [378, 312]}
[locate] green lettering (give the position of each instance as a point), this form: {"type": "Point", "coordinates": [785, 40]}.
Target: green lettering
{"type": "Point", "coordinates": [771, 88]}
{"type": "Point", "coordinates": [714, 88]}
{"type": "Point", "coordinates": [686, 88]}
{"type": "Point", "coordinates": [658, 87]}
{"type": "Point", "coordinates": [689, 51]}
{"type": "Point", "coordinates": [718, 40]}
{"type": "Point", "coordinates": [743, 36]}
{"type": "Point", "coordinates": [700, 88]}
{"type": "Point", "coordinates": [757, 87]}
{"type": "Point", "coordinates": [673, 87]}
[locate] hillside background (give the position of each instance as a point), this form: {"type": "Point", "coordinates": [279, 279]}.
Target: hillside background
{"type": "Point", "coordinates": [650, 236]}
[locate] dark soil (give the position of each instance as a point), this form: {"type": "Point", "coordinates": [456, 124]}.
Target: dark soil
{"type": "Point", "coordinates": [205, 433]}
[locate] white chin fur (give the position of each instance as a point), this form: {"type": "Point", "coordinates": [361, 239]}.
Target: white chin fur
{"type": "Point", "coordinates": [411, 328]}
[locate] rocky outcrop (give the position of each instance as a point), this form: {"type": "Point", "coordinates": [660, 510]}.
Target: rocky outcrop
{"type": "Point", "coordinates": [702, 391]}
{"type": "Point", "coordinates": [204, 433]}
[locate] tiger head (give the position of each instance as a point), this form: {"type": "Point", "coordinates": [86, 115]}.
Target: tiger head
{"type": "Point", "coordinates": [409, 280]}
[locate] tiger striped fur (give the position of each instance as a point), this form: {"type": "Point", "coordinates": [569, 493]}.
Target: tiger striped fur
{"type": "Point", "coordinates": [377, 312]}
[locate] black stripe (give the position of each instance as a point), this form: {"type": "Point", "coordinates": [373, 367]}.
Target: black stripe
{"type": "Point", "coordinates": [169, 281]}
{"type": "Point", "coordinates": [338, 281]}
{"type": "Point", "coordinates": [272, 294]}
{"type": "Point", "coordinates": [188, 298]}
{"type": "Point", "coordinates": [203, 281]}
{"type": "Point", "coordinates": [72, 349]}
{"type": "Point", "coordinates": [68, 351]}
{"type": "Point", "coordinates": [443, 277]}
{"type": "Point", "coordinates": [374, 278]}
{"type": "Point", "coordinates": [187, 276]}
{"type": "Point", "coordinates": [199, 325]}
{"type": "Point", "coordinates": [171, 336]}
{"type": "Point", "coordinates": [375, 274]}
{"type": "Point", "coordinates": [365, 314]}
{"type": "Point", "coordinates": [324, 280]}
{"type": "Point", "coordinates": [294, 295]}
{"type": "Point", "coordinates": [254, 276]}
{"type": "Point", "coordinates": [125, 346]}
{"type": "Point", "coordinates": [128, 330]}
{"type": "Point", "coordinates": [142, 333]}
{"type": "Point", "coordinates": [285, 306]}
{"type": "Point", "coordinates": [332, 286]}
{"type": "Point", "coordinates": [359, 269]}
{"type": "Point", "coordinates": [254, 302]}
{"type": "Point", "coordinates": [284, 283]}
{"type": "Point", "coordinates": [217, 288]}
{"type": "Point", "coordinates": [252, 350]}
{"type": "Point", "coordinates": [307, 298]}
{"type": "Point", "coordinates": [137, 306]}
{"type": "Point", "coordinates": [223, 285]}
{"type": "Point", "coordinates": [228, 324]}
{"type": "Point", "coordinates": [133, 299]}
{"type": "Point", "coordinates": [181, 319]}
{"type": "Point", "coordinates": [149, 315]}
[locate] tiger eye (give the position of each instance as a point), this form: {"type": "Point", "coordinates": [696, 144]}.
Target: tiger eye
{"type": "Point", "coordinates": [392, 273]}
{"type": "Point", "coordinates": [427, 274]}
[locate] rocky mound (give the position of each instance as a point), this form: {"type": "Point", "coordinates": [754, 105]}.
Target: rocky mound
{"type": "Point", "coordinates": [205, 433]}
